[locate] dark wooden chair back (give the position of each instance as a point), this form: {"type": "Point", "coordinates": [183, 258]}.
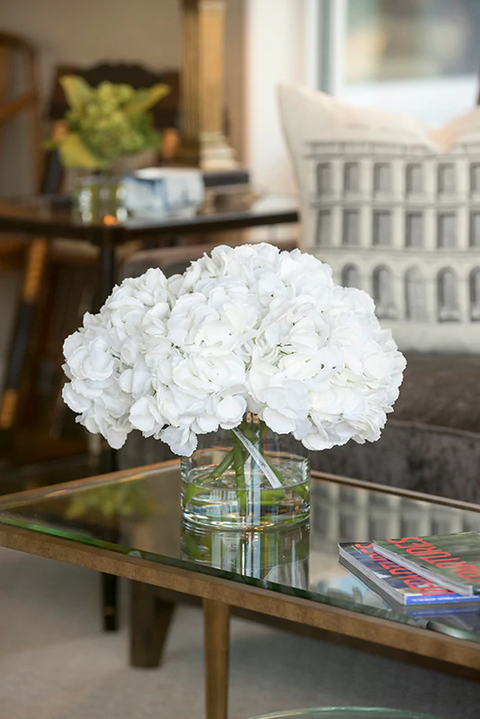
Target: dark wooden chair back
{"type": "Point", "coordinates": [27, 100]}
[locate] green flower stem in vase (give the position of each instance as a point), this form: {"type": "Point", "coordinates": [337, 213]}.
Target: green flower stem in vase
{"type": "Point", "coordinates": [238, 464]}
{"type": "Point", "coordinates": [246, 478]}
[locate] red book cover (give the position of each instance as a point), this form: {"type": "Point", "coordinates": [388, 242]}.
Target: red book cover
{"type": "Point", "coordinates": [452, 560]}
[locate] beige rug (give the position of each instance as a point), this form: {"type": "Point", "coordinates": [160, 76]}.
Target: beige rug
{"type": "Point", "coordinates": [56, 663]}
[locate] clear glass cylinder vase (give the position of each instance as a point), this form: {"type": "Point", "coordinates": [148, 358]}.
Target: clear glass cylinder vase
{"type": "Point", "coordinates": [248, 478]}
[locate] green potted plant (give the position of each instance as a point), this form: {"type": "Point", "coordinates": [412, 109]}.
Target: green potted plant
{"type": "Point", "coordinates": [104, 123]}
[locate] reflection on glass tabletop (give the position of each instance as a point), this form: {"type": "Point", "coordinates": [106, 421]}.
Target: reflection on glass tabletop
{"type": "Point", "coordinates": [137, 513]}
{"type": "Point", "coordinates": [347, 713]}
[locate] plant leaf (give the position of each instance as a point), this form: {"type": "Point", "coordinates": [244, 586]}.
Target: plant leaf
{"type": "Point", "coordinates": [75, 154]}
{"type": "Point", "coordinates": [77, 91]}
{"type": "Point", "coordinates": [146, 98]}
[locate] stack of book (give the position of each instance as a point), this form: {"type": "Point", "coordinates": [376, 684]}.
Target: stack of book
{"type": "Point", "coordinates": [420, 571]}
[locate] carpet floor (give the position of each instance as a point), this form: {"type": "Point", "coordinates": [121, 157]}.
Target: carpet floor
{"type": "Point", "coordinates": [56, 663]}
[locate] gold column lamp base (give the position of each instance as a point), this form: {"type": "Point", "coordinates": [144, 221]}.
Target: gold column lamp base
{"type": "Point", "coordinates": [203, 142]}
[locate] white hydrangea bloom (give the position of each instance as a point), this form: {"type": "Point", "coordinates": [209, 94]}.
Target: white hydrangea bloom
{"type": "Point", "coordinates": [105, 359]}
{"type": "Point", "coordinates": [249, 328]}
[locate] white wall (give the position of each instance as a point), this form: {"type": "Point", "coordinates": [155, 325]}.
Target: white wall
{"type": "Point", "coordinates": [90, 31]}
{"type": "Point", "coordinates": [278, 48]}
{"type": "Point", "coordinates": [147, 31]}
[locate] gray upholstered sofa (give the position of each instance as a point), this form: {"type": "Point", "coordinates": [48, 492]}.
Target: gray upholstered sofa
{"type": "Point", "coordinates": [431, 442]}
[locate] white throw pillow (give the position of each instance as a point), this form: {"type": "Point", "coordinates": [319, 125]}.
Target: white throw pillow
{"type": "Point", "coordinates": [394, 207]}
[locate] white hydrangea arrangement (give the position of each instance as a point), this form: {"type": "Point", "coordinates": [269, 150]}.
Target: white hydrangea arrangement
{"type": "Point", "coordinates": [247, 329]}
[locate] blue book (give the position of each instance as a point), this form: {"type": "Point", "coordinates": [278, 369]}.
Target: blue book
{"type": "Point", "coordinates": [396, 581]}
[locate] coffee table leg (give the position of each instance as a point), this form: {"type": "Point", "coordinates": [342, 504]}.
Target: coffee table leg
{"type": "Point", "coordinates": [216, 616]}
{"type": "Point", "coordinates": [150, 619]}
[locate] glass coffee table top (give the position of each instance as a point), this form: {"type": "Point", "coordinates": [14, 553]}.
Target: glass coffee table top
{"type": "Point", "coordinates": [347, 713]}
{"type": "Point", "coordinates": [137, 513]}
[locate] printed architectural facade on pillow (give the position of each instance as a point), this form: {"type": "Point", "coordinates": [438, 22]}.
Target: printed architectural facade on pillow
{"type": "Point", "coordinates": [403, 224]}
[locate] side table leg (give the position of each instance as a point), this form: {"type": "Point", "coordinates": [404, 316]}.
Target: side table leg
{"type": "Point", "coordinates": [216, 616]}
{"type": "Point", "coordinates": [110, 602]}
{"type": "Point", "coordinates": [107, 273]}
{"type": "Point", "coordinates": [150, 619]}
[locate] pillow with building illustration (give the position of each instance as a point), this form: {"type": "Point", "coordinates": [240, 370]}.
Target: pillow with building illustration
{"type": "Point", "coordinates": [394, 208]}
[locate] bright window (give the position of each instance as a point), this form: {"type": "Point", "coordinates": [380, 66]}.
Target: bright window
{"type": "Point", "coordinates": [418, 57]}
